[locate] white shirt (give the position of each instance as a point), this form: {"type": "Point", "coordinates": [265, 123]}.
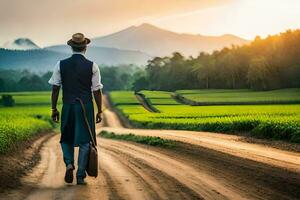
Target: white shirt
{"type": "Point", "coordinates": [96, 77]}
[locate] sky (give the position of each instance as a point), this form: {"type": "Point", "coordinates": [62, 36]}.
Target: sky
{"type": "Point", "coordinates": [49, 22]}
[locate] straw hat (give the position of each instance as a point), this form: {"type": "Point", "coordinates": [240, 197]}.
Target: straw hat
{"type": "Point", "coordinates": [78, 40]}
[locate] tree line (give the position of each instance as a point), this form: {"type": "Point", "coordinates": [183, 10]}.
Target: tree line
{"type": "Point", "coordinates": [23, 80]}
{"type": "Point", "coordinates": [264, 64]}
{"type": "Point", "coordinates": [113, 78]}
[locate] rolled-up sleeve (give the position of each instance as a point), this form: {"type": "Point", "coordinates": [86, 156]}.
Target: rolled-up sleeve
{"type": "Point", "coordinates": [56, 77]}
{"type": "Point", "coordinates": [96, 78]}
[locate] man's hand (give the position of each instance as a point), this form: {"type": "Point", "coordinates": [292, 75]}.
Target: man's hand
{"type": "Point", "coordinates": [55, 115]}
{"type": "Point", "coordinates": [98, 100]}
{"type": "Point", "coordinates": [98, 117]}
{"type": "Point", "coordinates": [54, 98]}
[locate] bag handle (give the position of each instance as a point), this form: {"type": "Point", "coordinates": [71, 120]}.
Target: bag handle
{"type": "Point", "coordinates": [86, 121]}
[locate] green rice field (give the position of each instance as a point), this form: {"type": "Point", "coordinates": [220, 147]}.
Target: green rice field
{"type": "Point", "coordinates": [263, 121]}
{"type": "Point", "coordinates": [242, 96]}
{"type": "Point", "coordinates": [159, 98]}
{"type": "Point", "coordinates": [32, 98]}
{"type": "Point", "coordinates": [29, 116]}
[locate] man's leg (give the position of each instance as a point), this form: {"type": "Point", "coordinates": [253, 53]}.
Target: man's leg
{"type": "Point", "coordinates": [82, 162]}
{"type": "Point", "coordinates": [68, 154]}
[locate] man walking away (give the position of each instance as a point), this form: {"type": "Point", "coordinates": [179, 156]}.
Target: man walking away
{"type": "Point", "coordinates": [79, 78]}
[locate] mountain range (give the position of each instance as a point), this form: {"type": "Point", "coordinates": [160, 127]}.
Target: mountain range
{"type": "Point", "coordinates": [159, 42]}
{"type": "Point", "coordinates": [42, 60]}
{"type": "Point", "coordinates": [134, 45]}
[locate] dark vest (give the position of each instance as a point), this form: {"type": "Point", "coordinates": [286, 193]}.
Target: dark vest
{"type": "Point", "coordinates": [76, 75]}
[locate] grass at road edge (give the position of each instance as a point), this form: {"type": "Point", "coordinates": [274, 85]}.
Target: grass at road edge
{"type": "Point", "coordinates": [147, 140]}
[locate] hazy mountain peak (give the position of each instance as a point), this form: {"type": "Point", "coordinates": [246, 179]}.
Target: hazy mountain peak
{"type": "Point", "coordinates": [151, 29]}
{"type": "Point", "coordinates": [229, 36]}
{"type": "Point", "coordinates": [160, 42]}
{"type": "Point", "coordinates": [21, 44]}
{"type": "Point", "coordinates": [146, 25]}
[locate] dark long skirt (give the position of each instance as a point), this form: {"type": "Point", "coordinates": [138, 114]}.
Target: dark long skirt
{"type": "Point", "coordinates": [73, 127]}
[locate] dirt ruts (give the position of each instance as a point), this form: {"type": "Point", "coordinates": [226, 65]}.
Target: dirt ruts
{"type": "Point", "coordinates": [205, 166]}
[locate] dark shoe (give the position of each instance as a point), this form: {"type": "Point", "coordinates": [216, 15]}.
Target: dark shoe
{"type": "Point", "coordinates": [80, 181]}
{"type": "Point", "coordinates": [69, 174]}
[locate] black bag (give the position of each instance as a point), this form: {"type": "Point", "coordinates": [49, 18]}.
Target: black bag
{"type": "Point", "coordinates": [92, 166]}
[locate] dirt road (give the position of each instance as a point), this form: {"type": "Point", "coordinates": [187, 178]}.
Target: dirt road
{"type": "Point", "coordinates": [201, 166]}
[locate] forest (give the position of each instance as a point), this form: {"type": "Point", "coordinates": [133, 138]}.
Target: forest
{"type": "Point", "coordinates": [264, 64]}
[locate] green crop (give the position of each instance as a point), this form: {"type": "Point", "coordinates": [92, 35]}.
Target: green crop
{"type": "Point", "coordinates": [148, 140]}
{"type": "Point", "coordinates": [264, 121]}
{"type": "Point", "coordinates": [159, 97]}
{"type": "Point", "coordinates": [242, 96]}
{"type": "Point", "coordinates": [31, 98]}
{"type": "Point", "coordinates": [31, 115]}
{"type": "Point", "coordinates": [124, 98]}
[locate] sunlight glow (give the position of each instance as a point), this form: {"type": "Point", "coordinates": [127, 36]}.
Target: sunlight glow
{"type": "Point", "coordinates": [246, 18]}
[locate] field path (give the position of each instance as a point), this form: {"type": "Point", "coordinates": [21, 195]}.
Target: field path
{"type": "Point", "coordinates": [203, 166]}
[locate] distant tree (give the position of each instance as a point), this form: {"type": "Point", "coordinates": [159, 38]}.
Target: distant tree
{"type": "Point", "coordinates": [204, 68]}
{"type": "Point", "coordinates": [118, 77]}
{"type": "Point", "coordinates": [45, 78]}
{"type": "Point", "coordinates": [125, 78]}
{"type": "Point", "coordinates": [257, 74]}
{"type": "Point", "coordinates": [7, 101]}
{"type": "Point", "coordinates": [110, 79]}
{"type": "Point", "coordinates": [2, 85]}
{"type": "Point", "coordinates": [154, 71]}
{"type": "Point", "coordinates": [177, 73]}
{"type": "Point", "coordinates": [31, 83]}
{"type": "Point", "coordinates": [140, 84]}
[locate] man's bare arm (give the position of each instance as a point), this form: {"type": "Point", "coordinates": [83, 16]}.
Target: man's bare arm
{"type": "Point", "coordinates": [54, 99]}
{"type": "Point", "coordinates": [98, 99]}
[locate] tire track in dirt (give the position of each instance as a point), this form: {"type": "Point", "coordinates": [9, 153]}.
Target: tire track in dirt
{"type": "Point", "coordinates": [133, 171]}
{"type": "Point", "coordinates": [229, 144]}
{"type": "Point", "coordinates": [263, 160]}
{"type": "Point", "coordinates": [152, 183]}
{"type": "Point", "coordinates": [197, 183]}
{"type": "Point", "coordinates": [127, 184]}
{"type": "Point", "coordinates": [46, 180]}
